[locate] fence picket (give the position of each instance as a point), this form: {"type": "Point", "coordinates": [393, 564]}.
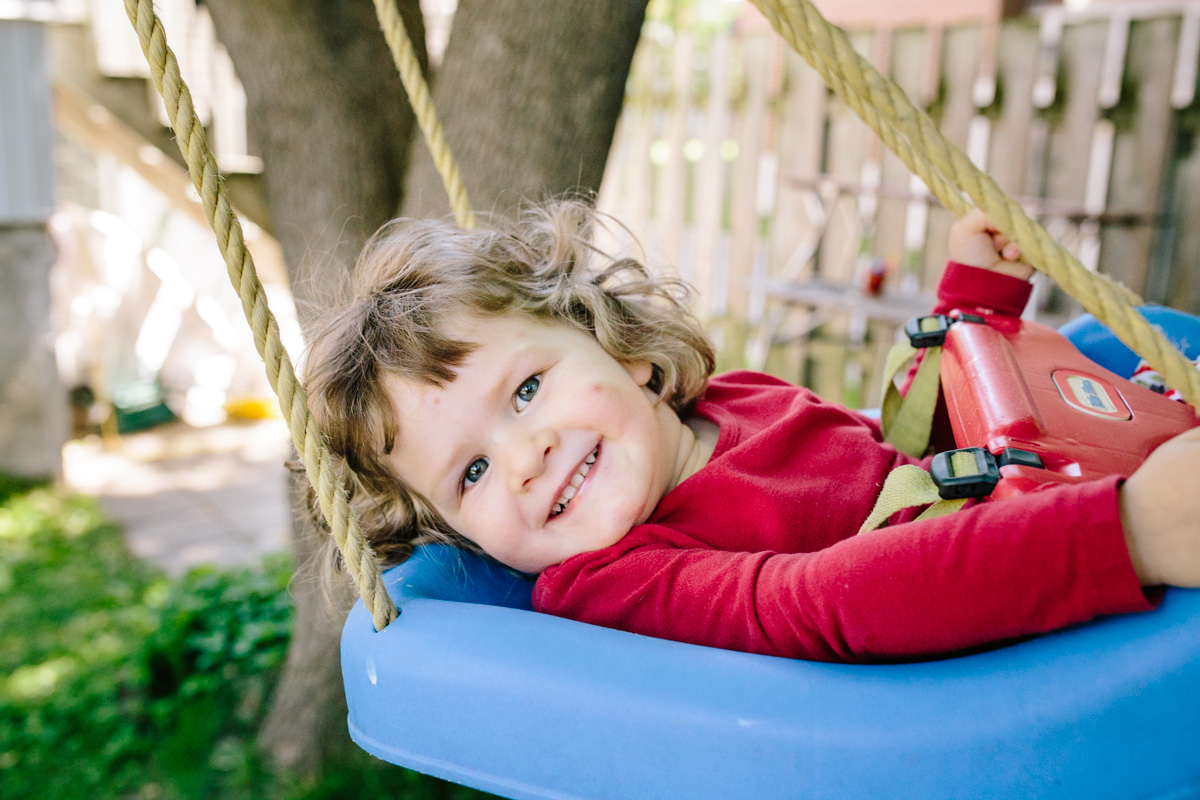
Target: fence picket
{"type": "Point", "coordinates": [810, 195]}
{"type": "Point", "coordinates": [1145, 134]}
{"type": "Point", "coordinates": [743, 213]}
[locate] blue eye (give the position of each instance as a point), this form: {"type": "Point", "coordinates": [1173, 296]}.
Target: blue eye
{"type": "Point", "coordinates": [474, 472]}
{"type": "Point", "coordinates": [526, 391]}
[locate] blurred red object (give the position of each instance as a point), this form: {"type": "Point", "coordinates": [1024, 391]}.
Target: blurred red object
{"type": "Point", "coordinates": [877, 276]}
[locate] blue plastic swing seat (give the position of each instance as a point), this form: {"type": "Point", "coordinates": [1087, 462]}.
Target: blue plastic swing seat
{"type": "Point", "coordinates": [472, 686]}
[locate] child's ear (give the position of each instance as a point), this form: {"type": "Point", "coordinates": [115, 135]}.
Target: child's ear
{"type": "Point", "coordinates": [640, 371]}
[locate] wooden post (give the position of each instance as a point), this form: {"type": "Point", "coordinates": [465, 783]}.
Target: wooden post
{"type": "Point", "coordinates": [33, 413]}
{"type": "Point", "coordinates": [798, 217]}
{"type": "Point", "coordinates": [673, 173]}
{"type": "Point", "coordinates": [743, 215]}
{"type": "Point", "coordinates": [1144, 139]}
{"type": "Point", "coordinates": [710, 238]}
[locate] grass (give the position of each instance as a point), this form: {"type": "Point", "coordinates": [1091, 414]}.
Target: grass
{"type": "Point", "coordinates": [118, 682]}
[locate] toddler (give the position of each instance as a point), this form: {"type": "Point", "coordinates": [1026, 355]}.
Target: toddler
{"type": "Point", "coordinates": [517, 391]}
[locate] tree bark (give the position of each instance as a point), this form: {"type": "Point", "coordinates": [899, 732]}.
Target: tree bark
{"type": "Point", "coordinates": [529, 94]}
{"type": "Point", "coordinates": [328, 115]}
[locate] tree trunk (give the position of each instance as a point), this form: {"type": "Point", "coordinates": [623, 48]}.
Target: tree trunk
{"type": "Point", "coordinates": [529, 94]}
{"type": "Point", "coordinates": [327, 114]}
{"type": "Point", "coordinates": [306, 722]}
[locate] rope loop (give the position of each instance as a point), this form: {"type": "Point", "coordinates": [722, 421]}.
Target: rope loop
{"type": "Point", "coordinates": [307, 439]}
{"type": "Point", "coordinates": [943, 167]}
{"type": "Point", "coordinates": [885, 108]}
{"type": "Point", "coordinates": [419, 98]}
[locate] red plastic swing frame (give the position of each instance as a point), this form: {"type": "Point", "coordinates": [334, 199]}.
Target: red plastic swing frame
{"type": "Point", "coordinates": [1009, 382]}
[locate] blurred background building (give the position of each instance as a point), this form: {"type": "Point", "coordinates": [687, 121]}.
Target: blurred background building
{"type": "Point", "coordinates": [137, 312]}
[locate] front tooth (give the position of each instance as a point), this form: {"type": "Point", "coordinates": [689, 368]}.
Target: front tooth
{"type": "Point", "coordinates": [577, 478]}
{"type": "Point", "coordinates": [569, 492]}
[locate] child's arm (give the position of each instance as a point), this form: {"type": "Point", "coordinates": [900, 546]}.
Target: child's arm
{"type": "Point", "coordinates": [982, 277]}
{"type": "Point", "coordinates": [1160, 512]}
{"type": "Point", "coordinates": [985, 574]}
{"type": "Point", "coordinates": [1159, 504]}
{"type": "Point", "coordinates": [975, 242]}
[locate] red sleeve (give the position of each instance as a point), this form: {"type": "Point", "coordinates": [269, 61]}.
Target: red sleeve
{"type": "Point", "coordinates": [988, 573]}
{"type": "Point", "coordinates": [975, 289]}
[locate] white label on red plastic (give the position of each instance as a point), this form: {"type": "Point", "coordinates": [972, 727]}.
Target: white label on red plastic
{"type": "Point", "coordinates": [1091, 395]}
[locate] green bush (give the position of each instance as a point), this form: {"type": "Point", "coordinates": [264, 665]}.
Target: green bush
{"type": "Point", "coordinates": [117, 682]}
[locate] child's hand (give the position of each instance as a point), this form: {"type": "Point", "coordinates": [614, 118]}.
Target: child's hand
{"type": "Point", "coordinates": [1160, 511]}
{"type": "Point", "coordinates": [974, 241]}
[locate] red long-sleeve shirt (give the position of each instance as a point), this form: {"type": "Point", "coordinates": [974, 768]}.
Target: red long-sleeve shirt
{"type": "Point", "coordinates": [757, 550]}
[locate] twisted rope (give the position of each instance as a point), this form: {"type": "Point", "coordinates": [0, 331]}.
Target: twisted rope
{"type": "Point", "coordinates": [306, 437]}
{"type": "Point", "coordinates": [880, 102]}
{"type": "Point", "coordinates": [422, 105]}
{"type": "Point", "coordinates": [916, 140]}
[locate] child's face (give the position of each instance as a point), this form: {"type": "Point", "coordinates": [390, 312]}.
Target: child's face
{"type": "Point", "coordinates": [539, 411]}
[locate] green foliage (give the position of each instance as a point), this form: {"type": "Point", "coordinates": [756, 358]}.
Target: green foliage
{"type": "Point", "coordinates": [69, 625]}
{"type": "Point", "coordinates": [699, 16]}
{"type": "Point", "coordinates": [117, 682]}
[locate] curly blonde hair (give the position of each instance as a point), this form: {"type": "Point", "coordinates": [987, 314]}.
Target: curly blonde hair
{"type": "Point", "coordinates": [413, 276]}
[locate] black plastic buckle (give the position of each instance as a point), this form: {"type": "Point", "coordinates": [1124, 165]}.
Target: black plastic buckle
{"type": "Point", "coordinates": [920, 338]}
{"type": "Point", "coordinates": [1021, 458]}
{"type": "Point", "coordinates": [979, 483]}
{"type": "Point", "coordinates": [934, 337]}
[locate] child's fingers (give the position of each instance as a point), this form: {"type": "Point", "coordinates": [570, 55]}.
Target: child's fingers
{"type": "Point", "coordinates": [1004, 246]}
{"type": "Point", "coordinates": [975, 242]}
{"type": "Point", "coordinates": [977, 220]}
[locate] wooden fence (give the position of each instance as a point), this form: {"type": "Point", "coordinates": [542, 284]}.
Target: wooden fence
{"type": "Point", "coordinates": [735, 166]}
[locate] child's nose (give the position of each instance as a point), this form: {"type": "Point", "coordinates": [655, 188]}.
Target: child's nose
{"type": "Point", "coordinates": [527, 455]}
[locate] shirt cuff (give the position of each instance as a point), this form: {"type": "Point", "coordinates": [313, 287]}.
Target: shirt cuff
{"type": "Point", "coordinates": [975, 289]}
{"type": "Point", "coordinates": [1118, 590]}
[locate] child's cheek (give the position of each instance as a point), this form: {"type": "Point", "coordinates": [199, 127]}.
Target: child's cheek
{"type": "Point", "coordinates": [596, 392]}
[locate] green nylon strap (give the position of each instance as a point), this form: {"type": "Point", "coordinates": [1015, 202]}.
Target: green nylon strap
{"type": "Point", "coordinates": [899, 356]}
{"type": "Point", "coordinates": [907, 420]}
{"type": "Point", "coordinates": [910, 486]}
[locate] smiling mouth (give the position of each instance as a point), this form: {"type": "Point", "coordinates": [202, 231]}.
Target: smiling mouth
{"type": "Point", "coordinates": [568, 492]}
